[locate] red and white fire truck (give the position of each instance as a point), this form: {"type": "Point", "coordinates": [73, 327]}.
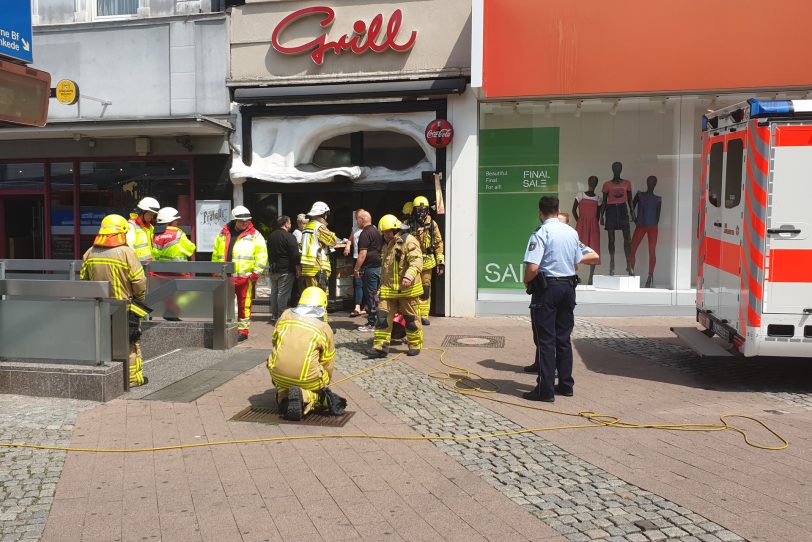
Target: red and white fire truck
{"type": "Point", "coordinates": [754, 283]}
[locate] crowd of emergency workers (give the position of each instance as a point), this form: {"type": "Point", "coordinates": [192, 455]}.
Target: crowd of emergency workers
{"type": "Point", "coordinates": [394, 266]}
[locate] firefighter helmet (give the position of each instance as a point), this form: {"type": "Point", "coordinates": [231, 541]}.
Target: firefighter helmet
{"type": "Point", "coordinates": [149, 204]}
{"type": "Point", "coordinates": [389, 222]}
{"type": "Point", "coordinates": [240, 213]}
{"type": "Point", "coordinates": [113, 224]}
{"type": "Point", "coordinates": [421, 201]}
{"type": "Point", "coordinates": [318, 209]}
{"type": "Point", "coordinates": [167, 215]}
{"type": "Point", "coordinates": [313, 296]}
{"type": "Point", "coordinates": [407, 208]}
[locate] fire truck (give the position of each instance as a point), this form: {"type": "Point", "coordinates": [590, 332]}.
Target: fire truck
{"type": "Point", "coordinates": [754, 273]}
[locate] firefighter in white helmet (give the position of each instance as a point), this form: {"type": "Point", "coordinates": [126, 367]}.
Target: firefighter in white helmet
{"type": "Point", "coordinates": [431, 241]}
{"type": "Point", "coordinates": [317, 240]}
{"type": "Point", "coordinates": [241, 243]}
{"type": "Point", "coordinates": [302, 361]}
{"type": "Point", "coordinates": [112, 260]}
{"type": "Point", "coordinates": [141, 229]}
{"type": "Point", "coordinates": [401, 264]}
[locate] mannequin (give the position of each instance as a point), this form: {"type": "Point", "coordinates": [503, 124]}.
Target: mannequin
{"type": "Point", "coordinates": [648, 207]}
{"type": "Point", "coordinates": [586, 211]}
{"type": "Point", "coordinates": [615, 213]}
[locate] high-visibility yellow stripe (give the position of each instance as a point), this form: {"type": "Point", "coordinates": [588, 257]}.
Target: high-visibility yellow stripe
{"type": "Point", "coordinates": [311, 346]}
{"type": "Point", "coordinates": [413, 291]}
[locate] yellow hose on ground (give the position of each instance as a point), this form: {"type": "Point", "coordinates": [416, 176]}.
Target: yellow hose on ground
{"type": "Point", "coordinates": [464, 383]}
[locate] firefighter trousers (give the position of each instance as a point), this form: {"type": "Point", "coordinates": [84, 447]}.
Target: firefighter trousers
{"type": "Point", "coordinates": [310, 389]}
{"type": "Point", "coordinates": [425, 299]}
{"type": "Point", "coordinates": [409, 308]}
{"type": "Point", "coordinates": [244, 290]}
{"type": "Point", "coordinates": [136, 365]}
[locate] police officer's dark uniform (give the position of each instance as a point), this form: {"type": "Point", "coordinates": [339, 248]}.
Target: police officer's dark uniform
{"type": "Point", "coordinates": [555, 248]}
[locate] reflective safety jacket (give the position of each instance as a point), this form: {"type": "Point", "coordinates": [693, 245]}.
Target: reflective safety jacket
{"type": "Point", "coordinates": [303, 352]}
{"type": "Point", "coordinates": [316, 242]}
{"type": "Point", "coordinates": [120, 267]}
{"type": "Point", "coordinates": [249, 253]}
{"type": "Point", "coordinates": [139, 238]}
{"type": "Point", "coordinates": [401, 258]}
{"type": "Point", "coordinates": [431, 241]}
{"type": "Point", "coordinates": [172, 245]}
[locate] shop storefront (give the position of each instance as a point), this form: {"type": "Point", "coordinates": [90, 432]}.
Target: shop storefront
{"type": "Point", "coordinates": [333, 102]}
{"type": "Point", "coordinates": [612, 127]}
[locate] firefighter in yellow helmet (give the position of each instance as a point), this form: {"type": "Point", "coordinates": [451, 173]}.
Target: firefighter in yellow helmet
{"type": "Point", "coordinates": [142, 229]}
{"type": "Point", "coordinates": [401, 263]}
{"type": "Point", "coordinates": [431, 241]}
{"type": "Point", "coordinates": [301, 364]}
{"type": "Point", "coordinates": [317, 240]}
{"type": "Point", "coordinates": [406, 212]}
{"type": "Point", "coordinates": [112, 260]}
{"type": "Point", "coordinates": [241, 243]}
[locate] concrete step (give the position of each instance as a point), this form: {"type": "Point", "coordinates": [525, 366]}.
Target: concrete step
{"type": "Point", "coordinates": [700, 343]}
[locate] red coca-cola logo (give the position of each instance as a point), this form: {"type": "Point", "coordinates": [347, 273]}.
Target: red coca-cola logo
{"type": "Point", "coordinates": [364, 38]}
{"type": "Point", "coordinates": [439, 133]}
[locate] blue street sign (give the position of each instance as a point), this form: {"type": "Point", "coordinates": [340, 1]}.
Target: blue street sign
{"type": "Point", "coordinates": [15, 30]}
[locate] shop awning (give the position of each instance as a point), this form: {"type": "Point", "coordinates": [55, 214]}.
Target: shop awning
{"type": "Point", "coordinates": [382, 89]}
{"type": "Point", "coordinates": [197, 125]}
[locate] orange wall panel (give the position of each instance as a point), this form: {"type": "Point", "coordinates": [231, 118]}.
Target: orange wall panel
{"type": "Point", "coordinates": [581, 47]}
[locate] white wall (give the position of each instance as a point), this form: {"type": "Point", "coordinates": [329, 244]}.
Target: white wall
{"type": "Point", "coordinates": [461, 205]}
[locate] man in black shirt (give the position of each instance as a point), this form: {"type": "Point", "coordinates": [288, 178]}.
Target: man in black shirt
{"type": "Point", "coordinates": [368, 266]}
{"type": "Point", "coordinates": [283, 257]}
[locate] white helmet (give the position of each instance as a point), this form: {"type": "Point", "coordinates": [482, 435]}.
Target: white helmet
{"type": "Point", "coordinates": [167, 215]}
{"type": "Point", "coordinates": [149, 204]}
{"type": "Point", "coordinates": [319, 208]}
{"type": "Point", "coordinates": [240, 213]}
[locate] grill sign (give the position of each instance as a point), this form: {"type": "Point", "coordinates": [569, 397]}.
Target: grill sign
{"type": "Point", "coordinates": [364, 38]}
{"type": "Point", "coordinates": [439, 133]}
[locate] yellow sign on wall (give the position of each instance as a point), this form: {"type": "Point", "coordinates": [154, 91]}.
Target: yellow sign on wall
{"type": "Point", "coordinates": [67, 92]}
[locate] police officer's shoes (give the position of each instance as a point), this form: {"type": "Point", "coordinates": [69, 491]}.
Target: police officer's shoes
{"type": "Point", "coordinates": [561, 390]}
{"type": "Point", "coordinates": [535, 395]}
{"type": "Point", "coordinates": [533, 368]}
{"type": "Point", "coordinates": [425, 321]}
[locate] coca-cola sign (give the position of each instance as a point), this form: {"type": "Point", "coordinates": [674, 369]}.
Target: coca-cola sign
{"type": "Point", "coordinates": [373, 37]}
{"type": "Point", "coordinates": [439, 133]}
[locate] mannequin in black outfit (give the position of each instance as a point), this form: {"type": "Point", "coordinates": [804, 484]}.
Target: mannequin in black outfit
{"type": "Point", "coordinates": [621, 222]}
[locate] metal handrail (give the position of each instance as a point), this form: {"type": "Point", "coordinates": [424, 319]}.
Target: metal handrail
{"type": "Point", "coordinates": [76, 289]}
{"type": "Point", "coordinates": [70, 267]}
{"type": "Point", "coordinates": [211, 268]}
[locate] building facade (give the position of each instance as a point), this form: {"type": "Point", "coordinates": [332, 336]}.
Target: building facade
{"type": "Point", "coordinates": [151, 119]}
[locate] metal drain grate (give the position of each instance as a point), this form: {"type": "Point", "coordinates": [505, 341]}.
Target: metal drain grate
{"type": "Point", "coordinates": [475, 341]}
{"type": "Point", "coordinates": [270, 415]}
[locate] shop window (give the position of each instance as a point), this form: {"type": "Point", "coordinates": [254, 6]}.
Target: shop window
{"type": "Point", "coordinates": [389, 150]}
{"type": "Point", "coordinates": [116, 8]}
{"type": "Point", "coordinates": [62, 217]}
{"type": "Point", "coordinates": [22, 177]}
{"type": "Point", "coordinates": [733, 173]}
{"type": "Point", "coordinates": [715, 174]}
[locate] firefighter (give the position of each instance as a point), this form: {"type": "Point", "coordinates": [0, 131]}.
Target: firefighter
{"type": "Point", "coordinates": [301, 364]}
{"type": "Point", "coordinates": [317, 240]}
{"type": "Point", "coordinates": [112, 260]}
{"type": "Point", "coordinates": [401, 263]}
{"type": "Point", "coordinates": [141, 229]}
{"type": "Point", "coordinates": [431, 241]}
{"type": "Point", "coordinates": [172, 245]}
{"type": "Point", "coordinates": [241, 243]}
{"type": "Point", "coordinates": [406, 212]}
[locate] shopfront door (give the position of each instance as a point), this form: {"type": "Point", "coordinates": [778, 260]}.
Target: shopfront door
{"type": "Point", "coordinates": [22, 234]}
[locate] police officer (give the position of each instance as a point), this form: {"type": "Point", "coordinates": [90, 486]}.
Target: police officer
{"type": "Point", "coordinates": [553, 252]}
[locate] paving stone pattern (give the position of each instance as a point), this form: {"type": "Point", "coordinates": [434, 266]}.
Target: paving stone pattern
{"type": "Point", "coordinates": [784, 381]}
{"type": "Point", "coordinates": [28, 477]}
{"type": "Point", "coordinates": [576, 498]}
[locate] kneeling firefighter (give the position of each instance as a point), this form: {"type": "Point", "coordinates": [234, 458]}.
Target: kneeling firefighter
{"type": "Point", "coordinates": [301, 364]}
{"type": "Point", "coordinates": [112, 260]}
{"type": "Point", "coordinates": [401, 264]}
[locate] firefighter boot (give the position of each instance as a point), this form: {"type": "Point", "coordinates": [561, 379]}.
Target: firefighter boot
{"type": "Point", "coordinates": [295, 410]}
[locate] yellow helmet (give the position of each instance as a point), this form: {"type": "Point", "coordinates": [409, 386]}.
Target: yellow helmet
{"type": "Point", "coordinates": [389, 222]}
{"type": "Point", "coordinates": [421, 201]}
{"type": "Point", "coordinates": [112, 224]}
{"type": "Point", "coordinates": [313, 296]}
{"type": "Point", "coordinates": [407, 208]}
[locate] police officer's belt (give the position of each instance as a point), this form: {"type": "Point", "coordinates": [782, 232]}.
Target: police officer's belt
{"type": "Point", "coordinates": [559, 279]}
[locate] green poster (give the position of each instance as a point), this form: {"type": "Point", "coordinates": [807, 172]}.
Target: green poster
{"type": "Point", "coordinates": [516, 167]}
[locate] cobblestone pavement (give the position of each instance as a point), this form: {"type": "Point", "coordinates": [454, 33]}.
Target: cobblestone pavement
{"type": "Point", "coordinates": [576, 498]}
{"type": "Point", "coordinates": [28, 477]}
{"type": "Point", "coordinates": [783, 381]}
